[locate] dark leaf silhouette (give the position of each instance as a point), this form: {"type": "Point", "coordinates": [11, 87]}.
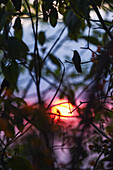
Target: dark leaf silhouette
{"type": "Point", "coordinates": [17, 4]}
{"type": "Point", "coordinates": [53, 17]}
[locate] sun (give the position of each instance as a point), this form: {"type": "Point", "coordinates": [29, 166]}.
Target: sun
{"type": "Point", "coordinates": [62, 109]}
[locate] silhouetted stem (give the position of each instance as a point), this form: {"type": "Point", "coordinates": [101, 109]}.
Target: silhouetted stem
{"type": "Point", "coordinates": [55, 114]}
{"type": "Point", "coordinates": [58, 87]}
{"type": "Point", "coordinates": [30, 17]}
{"type": "Point", "coordinates": [53, 45]}
{"type": "Point", "coordinates": [101, 19]}
{"type": "Point", "coordinates": [101, 132]}
{"type": "Point", "coordinates": [15, 138]}
{"type": "Point", "coordinates": [97, 160]}
{"type": "Point", "coordinates": [27, 88]}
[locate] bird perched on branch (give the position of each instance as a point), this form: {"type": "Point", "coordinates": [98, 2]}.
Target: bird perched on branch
{"type": "Point", "coordinates": [77, 60]}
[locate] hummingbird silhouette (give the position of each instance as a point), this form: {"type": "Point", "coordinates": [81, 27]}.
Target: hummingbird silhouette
{"type": "Point", "coordinates": [77, 60]}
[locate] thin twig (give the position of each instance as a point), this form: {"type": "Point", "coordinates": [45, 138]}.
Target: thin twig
{"type": "Point", "coordinates": [88, 37]}
{"type": "Point", "coordinates": [87, 48]}
{"type": "Point", "coordinates": [110, 80]}
{"type": "Point", "coordinates": [53, 45]}
{"type": "Point", "coordinates": [77, 106]}
{"type": "Point", "coordinates": [58, 86]}
{"type": "Point", "coordinates": [35, 50]}
{"type": "Point", "coordinates": [15, 138]}
{"type": "Point", "coordinates": [98, 160]}
{"type": "Point", "coordinates": [2, 142]}
{"type": "Point", "coordinates": [100, 131]}
{"type": "Point", "coordinates": [49, 82]}
{"type": "Point", "coordinates": [108, 109]}
{"type": "Point", "coordinates": [30, 17]}
{"type": "Point", "coordinates": [21, 134]}
{"type": "Point", "coordinates": [75, 9]}
{"type": "Point", "coordinates": [85, 62]}
{"type": "Point", "coordinates": [59, 104]}
{"type": "Point", "coordinates": [55, 114]}
{"type": "Point", "coordinates": [101, 19]}
{"type": "Point", "coordinates": [84, 89]}
{"type": "Point", "coordinates": [27, 67]}
{"type": "Point", "coordinates": [27, 88]}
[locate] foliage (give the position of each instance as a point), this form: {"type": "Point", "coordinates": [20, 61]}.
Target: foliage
{"type": "Point", "coordinates": [33, 126]}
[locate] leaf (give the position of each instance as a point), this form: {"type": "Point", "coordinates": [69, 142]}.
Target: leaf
{"type": "Point", "coordinates": [3, 124]}
{"type": "Point", "coordinates": [9, 131]}
{"type": "Point", "coordinates": [106, 159]}
{"type": "Point", "coordinates": [45, 15]}
{"type": "Point", "coordinates": [47, 5]}
{"type": "Point", "coordinates": [3, 18]}
{"type": "Point", "coordinates": [18, 121]}
{"type": "Point", "coordinates": [41, 37]}
{"type": "Point", "coordinates": [54, 60]}
{"type": "Point", "coordinates": [11, 73]}
{"type": "Point", "coordinates": [7, 127]}
{"type": "Point", "coordinates": [53, 16]}
{"type": "Point", "coordinates": [17, 4]}
{"type": "Point", "coordinates": [83, 9]}
{"type": "Point", "coordinates": [92, 163]}
{"type": "Point", "coordinates": [109, 129]}
{"type": "Point", "coordinates": [61, 7]}
{"type": "Point", "coordinates": [31, 65]}
{"type": "Point", "coordinates": [19, 34]}
{"type": "Point", "coordinates": [9, 7]}
{"type": "Point", "coordinates": [19, 101]}
{"type": "Point", "coordinates": [91, 147]}
{"type": "Point", "coordinates": [19, 163]}
{"type": "Point", "coordinates": [18, 28]}
{"type": "Point", "coordinates": [98, 2]}
{"type": "Point", "coordinates": [92, 40]}
{"type": "Point", "coordinates": [16, 48]}
{"type": "Point", "coordinates": [73, 23]}
{"type": "Point", "coordinates": [3, 2]}
{"type": "Point", "coordinates": [17, 24]}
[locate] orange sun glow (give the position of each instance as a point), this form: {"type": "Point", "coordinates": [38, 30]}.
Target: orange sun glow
{"type": "Point", "coordinates": [62, 108]}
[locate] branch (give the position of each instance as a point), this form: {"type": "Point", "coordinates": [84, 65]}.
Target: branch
{"type": "Point", "coordinates": [15, 138]}
{"type": "Point", "coordinates": [106, 95]}
{"type": "Point", "coordinates": [87, 48]}
{"type": "Point", "coordinates": [78, 106]}
{"type": "Point", "coordinates": [101, 132]}
{"type": "Point", "coordinates": [58, 86]}
{"type": "Point", "coordinates": [2, 142]}
{"type": "Point", "coordinates": [59, 104]}
{"type": "Point", "coordinates": [35, 49]}
{"type": "Point", "coordinates": [84, 89]}
{"type": "Point", "coordinates": [98, 160]}
{"type": "Point", "coordinates": [22, 133]}
{"type": "Point", "coordinates": [101, 19]}
{"type": "Point", "coordinates": [27, 88]}
{"type": "Point", "coordinates": [30, 17]}
{"type": "Point", "coordinates": [55, 114]}
{"type": "Point", "coordinates": [53, 45]}
{"type": "Point", "coordinates": [49, 82]}
{"type": "Point", "coordinates": [77, 12]}
{"type": "Point", "coordinates": [27, 67]}
{"type": "Point", "coordinates": [80, 63]}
